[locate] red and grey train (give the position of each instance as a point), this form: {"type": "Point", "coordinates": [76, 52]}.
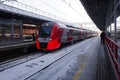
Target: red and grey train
{"type": "Point", "coordinates": [51, 35]}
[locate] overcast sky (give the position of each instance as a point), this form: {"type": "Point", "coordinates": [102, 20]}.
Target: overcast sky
{"type": "Point", "coordinates": [61, 8]}
{"type": "Point", "coordinates": [71, 10]}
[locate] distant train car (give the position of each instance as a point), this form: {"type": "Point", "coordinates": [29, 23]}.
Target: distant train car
{"type": "Point", "coordinates": [51, 35]}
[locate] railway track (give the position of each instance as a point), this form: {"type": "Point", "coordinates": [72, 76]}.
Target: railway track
{"type": "Point", "coordinates": [28, 68]}
{"type": "Point", "coordinates": [9, 63]}
{"type": "Point", "coordinates": [19, 60]}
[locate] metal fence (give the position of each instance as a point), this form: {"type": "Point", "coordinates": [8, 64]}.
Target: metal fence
{"type": "Point", "coordinates": [113, 49]}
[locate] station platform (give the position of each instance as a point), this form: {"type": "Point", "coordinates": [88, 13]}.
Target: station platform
{"type": "Point", "coordinates": [85, 60]}
{"type": "Point", "coordinates": [98, 65]}
{"type": "Point", "coordinates": [17, 45]}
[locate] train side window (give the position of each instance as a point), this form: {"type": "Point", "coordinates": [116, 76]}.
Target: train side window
{"type": "Point", "coordinates": [60, 32]}
{"type": "Point", "coordinates": [68, 33]}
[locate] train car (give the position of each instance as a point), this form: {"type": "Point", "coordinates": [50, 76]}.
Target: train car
{"type": "Point", "coordinates": [51, 35]}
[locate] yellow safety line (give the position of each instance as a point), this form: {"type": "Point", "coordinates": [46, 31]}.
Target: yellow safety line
{"type": "Point", "coordinates": [82, 65]}
{"type": "Point", "coordinates": [77, 74]}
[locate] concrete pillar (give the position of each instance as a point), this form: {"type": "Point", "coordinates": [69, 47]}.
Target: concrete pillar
{"type": "Point", "coordinates": [12, 26]}
{"type": "Point", "coordinates": [115, 23]}
{"type": "Point", "coordinates": [110, 17]}
{"type": "Point", "coordinates": [21, 30]}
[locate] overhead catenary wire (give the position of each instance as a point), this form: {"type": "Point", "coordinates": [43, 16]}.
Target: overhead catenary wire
{"type": "Point", "coordinates": [74, 9]}
{"type": "Point", "coordinates": [78, 12]}
{"type": "Point", "coordinates": [54, 8]}
{"type": "Point", "coordinates": [70, 5]}
{"type": "Point", "coordinates": [32, 9]}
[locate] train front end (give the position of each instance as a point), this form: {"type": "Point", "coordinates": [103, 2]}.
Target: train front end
{"type": "Point", "coordinates": [48, 37]}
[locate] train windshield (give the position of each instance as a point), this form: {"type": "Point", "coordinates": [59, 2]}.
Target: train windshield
{"type": "Point", "coordinates": [45, 30]}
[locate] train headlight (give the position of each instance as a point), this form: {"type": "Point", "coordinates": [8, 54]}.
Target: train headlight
{"type": "Point", "coordinates": [50, 39]}
{"type": "Point", "coordinates": [38, 39]}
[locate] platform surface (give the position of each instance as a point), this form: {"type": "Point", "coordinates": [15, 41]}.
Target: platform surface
{"type": "Point", "coordinates": [79, 61]}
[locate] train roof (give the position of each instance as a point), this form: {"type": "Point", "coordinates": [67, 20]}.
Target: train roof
{"type": "Point", "coordinates": [67, 26]}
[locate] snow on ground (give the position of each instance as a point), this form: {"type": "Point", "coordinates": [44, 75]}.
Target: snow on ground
{"type": "Point", "coordinates": [53, 66]}
{"type": "Point", "coordinates": [13, 62]}
{"type": "Point", "coordinates": [65, 68]}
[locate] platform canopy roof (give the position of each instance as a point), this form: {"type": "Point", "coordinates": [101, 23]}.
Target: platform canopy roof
{"type": "Point", "coordinates": [97, 10]}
